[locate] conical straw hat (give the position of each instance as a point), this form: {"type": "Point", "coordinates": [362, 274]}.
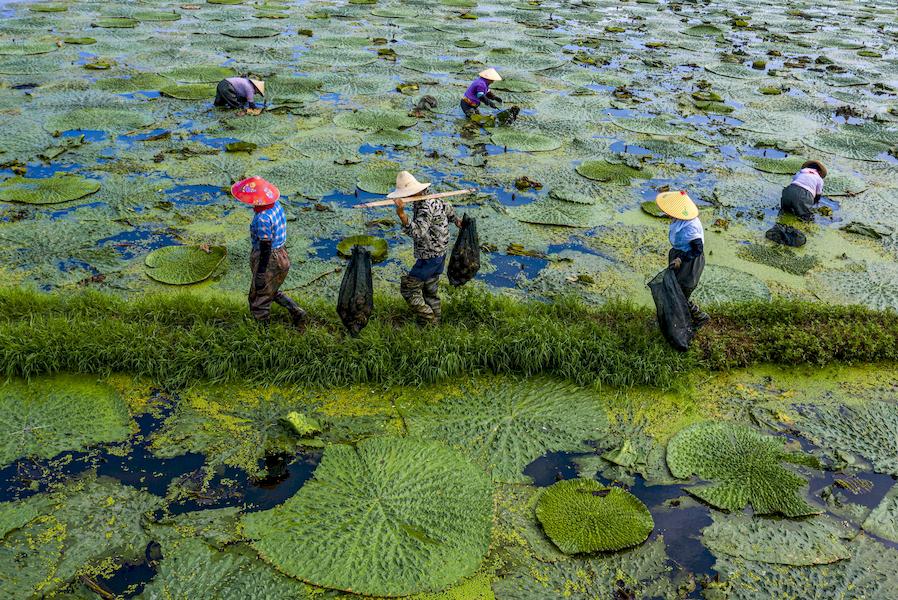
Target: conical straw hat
{"type": "Point", "coordinates": [255, 191]}
{"type": "Point", "coordinates": [490, 74]}
{"type": "Point", "coordinates": [259, 85]}
{"type": "Point", "coordinates": [677, 205]}
{"type": "Point", "coordinates": [817, 166]}
{"type": "Point", "coordinates": [407, 185]}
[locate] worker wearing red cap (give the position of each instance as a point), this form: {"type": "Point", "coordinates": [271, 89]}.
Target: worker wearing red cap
{"type": "Point", "coordinates": [269, 262]}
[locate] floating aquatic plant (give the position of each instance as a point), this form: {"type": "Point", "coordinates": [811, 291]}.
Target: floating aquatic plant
{"type": "Point", "coordinates": [778, 257]}
{"type": "Point", "coordinates": [604, 171]}
{"type": "Point", "coordinates": [524, 141]}
{"type": "Point", "coordinates": [389, 517]}
{"type": "Point", "coordinates": [720, 284]}
{"type": "Point", "coordinates": [100, 119]}
{"type": "Point", "coordinates": [50, 190]}
{"type": "Point", "coordinates": [183, 265]}
{"type": "Point", "coordinates": [374, 120]}
{"type": "Point", "coordinates": [190, 91]}
{"type": "Point", "coordinates": [377, 246]}
{"type": "Point", "coordinates": [583, 516]}
{"type": "Point", "coordinates": [743, 467]}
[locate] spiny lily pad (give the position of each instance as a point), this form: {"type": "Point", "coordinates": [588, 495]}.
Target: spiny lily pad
{"type": "Point", "coordinates": [252, 33]}
{"type": "Point", "coordinates": [526, 142]}
{"type": "Point", "coordinates": [116, 23]}
{"type": "Point", "coordinates": [778, 257]}
{"type": "Point", "coordinates": [377, 246]}
{"type": "Point", "coordinates": [704, 30]}
{"type": "Point", "coordinates": [183, 265]}
{"type": "Point", "coordinates": [46, 416]}
{"type": "Point", "coordinates": [374, 120]}
{"type": "Point", "coordinates": [467, 43]}
{"type": "Point", "coordinates": [200, 74]}
{"type": "Point", "coordinates": [876, 287]}
{"type": "Point", "coordinates": [189, 91]}
{"type": "Point", "coordinates": [508, 425]}
{"type": "Point", "coordinates": [388, 517]}
{"type": "Point", "coordinates": [651, 208]}
{"type": "Point", "coordinates": [582, 515]}
{"type": "Point", "coordinates": [743, 467]}
{"type": "Point", "coordinates": [720, 284]}
{"type": "Point", "coordinates": [153, 16]}
{"type": "Point", "coordinates": [378, 178]}
{"type": "Point", "coordinates": [136, 82]}
{"type": "Point", "coordinates": [17, 47]}
{"type": "Point", "coordinates": [79, 41]}
{"type": "Point", "coordinates": [48, 7]}
{"type": "Point", "coordinates": [779, 166]}
{"type": "Point", "coordinates": [393, 137]}
{"type": "Point", "coordinates": [883, 520]}
{"type": "Point", "coordinates": [602, 170]}
{"type": "Point", "coordinates": [515, 86]}
{"type": "Point", "coordinates": [850, 142]}
{"type": "Point", "coordinates": [99, 119]}
{"type": "Point", "coordinates": [551, 211]}
{"type": "Point", "coordinates": [58, 188]}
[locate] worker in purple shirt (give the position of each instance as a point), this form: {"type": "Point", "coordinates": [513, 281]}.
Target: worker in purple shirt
{"type": "Point", "coordinates": [479, 91]}
{"type": "Point", "coordinates": [238, 92]}
{"type": "Point", "coordinates": [805, 190]}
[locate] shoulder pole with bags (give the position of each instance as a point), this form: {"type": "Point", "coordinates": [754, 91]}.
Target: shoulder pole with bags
{"type": "Point", "coordinates": [377, 203]}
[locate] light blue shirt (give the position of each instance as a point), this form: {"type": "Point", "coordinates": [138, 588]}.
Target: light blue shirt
{"type": "Point", "coordinates": [682, 232]}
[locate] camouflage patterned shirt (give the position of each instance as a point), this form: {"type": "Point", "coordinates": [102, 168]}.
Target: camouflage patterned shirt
{"type": "Point", "coordinates": [429, 228]}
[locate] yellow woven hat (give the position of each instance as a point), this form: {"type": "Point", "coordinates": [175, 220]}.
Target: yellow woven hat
{"type": "Point", "coordinates": [407, 186]}
{"type": "Point", "coordinates": [490, 74]}
{"type": "Point", "coordinates": [677, 205]}
{"type": "Point", "coordinates": [259, 85]}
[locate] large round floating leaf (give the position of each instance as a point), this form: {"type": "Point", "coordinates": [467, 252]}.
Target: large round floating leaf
{"type": "Point", "coordinates": [704, 30]}
{"type": "Point", "coordinates": [377, 246]}
{"type": "Point", "coordinates": [154, 16]}
{"type": "Point", "coordinates": [290, 90]}
{"type": "Point", "coordinates": [200, 74]}
{"type": "Point", "coordinates": [851, 143]}
{"type": "Point", "coordinates": [779, 166]}
{"type": "Point", "coordinates": [561, 213]}
{"type": "Point", "coordinates": [582, 515]}
{"type": "Point", "coordinates": [46, 416]}
{"type": "Point", "coordinates": [883, 520]}
{"type": "Point", "coordinates": [136, 82]}
{"type": "Point", "coordinates": [526, 142]}
{"type": "Point", "coordinates": [515, 86]}
{"type": "Point", "coordinates": [183, 265]}
{"type": "Point", "coordinates": [734, 71]}
{"type": "Point", "coordinates": [838, 184]}
{"type": "Point", "coordinates": [116, 22]}
{"type": "Point", "coordinates": [48, 7]}
{"type": "Point", "coordinates": [602, 170]}
{"type": "Point", "coordinates": [876, 287]}
{"type": "Point", "coordinates": [393, 137]}
{"type": "Point", "coordinates": [743, 467]}
{"type": "Point", "coordinates": [388, 517]}
{"type": "Point", "coordinates": [374, 120]}
{"type": "Point", "coordinates": [721, 284]}
{"type": "Point", "coordinates": [252, 32]}
{"type": "Point", "coordinates": [21, 47]}
{"type": "Point", "coordinates": [49, 190]}
{"type": "Point", "coordinates": [510, 424]}
{"type": "Point", "coordinates": [189, 91]}
{"type": "Point", "coordinates": [99, 119]}
{"type": "Point", "coordinates": [79, 41]}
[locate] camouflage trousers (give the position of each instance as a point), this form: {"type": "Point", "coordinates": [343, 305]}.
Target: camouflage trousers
{"type": "Point", "coordinates": [422, 298]}
{"type": "Point", "coordinates": [260, 299]}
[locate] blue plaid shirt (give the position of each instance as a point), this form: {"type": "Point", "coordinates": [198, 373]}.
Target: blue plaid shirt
{"type": "Point", "coordinates": [271, 225]}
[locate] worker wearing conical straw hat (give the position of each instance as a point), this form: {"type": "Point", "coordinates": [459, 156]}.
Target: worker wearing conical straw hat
{"type": "Point", "coordinates": [429, 230]}
{"type": "Point", "coordinates": [479, 92]}
{"type": "Point", "coordinates": [239, 93]}
{"type": "Point", "coordinates": [687, 240]}
{"type": "Point", "coordinates": [805, 191]}
{"type": "Point", "coordinates": [269, 262]}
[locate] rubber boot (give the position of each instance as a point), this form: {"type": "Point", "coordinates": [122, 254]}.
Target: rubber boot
{"type": "Point", "coordinates": [699, 317]}
{"type": "Point", "coordinates": [431, 297]}
{"type": "Point", "coordinates": [412, 290]}
{"type": "Point", "coordinates": [297, 314]}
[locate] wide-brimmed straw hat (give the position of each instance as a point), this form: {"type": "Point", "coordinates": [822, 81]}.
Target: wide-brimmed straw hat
{"type": "Point", "coordinates": [255, 191]}
{"type": "Point", "coordinates": [259, 85]}
{"type": "Point", "coordinates": [490, 74]}
{"type": "Point", "coordinates": [677, 205]}
{"type": "Point", "coordinates": [407, 185]}
{"type": "Point", "coordinates": [817, 166]}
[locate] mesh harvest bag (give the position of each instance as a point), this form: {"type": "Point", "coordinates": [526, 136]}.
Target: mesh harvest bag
{"type": "Point", "coordinates": [356, 300]}
{"type": "Point", "coordinates": [672, 309]}
{"type": "Point", "coordinates": [786, 235]}
{"type": "Point", "coordinates": [464, 262]}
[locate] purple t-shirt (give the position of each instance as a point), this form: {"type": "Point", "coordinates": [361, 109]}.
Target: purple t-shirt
{"type": "Point", "coordinates": [243, 87]}
{"type": "Point", "coordinates": [477, 90]}
{"type": "Point", "coordinates": [810, 180]}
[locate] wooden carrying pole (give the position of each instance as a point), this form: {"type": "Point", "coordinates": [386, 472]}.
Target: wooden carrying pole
{"type": "Point", "coordinates": [414, 199]}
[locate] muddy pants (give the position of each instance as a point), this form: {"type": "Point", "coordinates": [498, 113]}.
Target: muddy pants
{"type": "Point", "coordinates": [420, 289]}
{"type": "Point", "coordinates": [688, 276]}
{"type": "Point", "coordinates": [226, 97]}
{"type": "Point", "coordinates": [798, 201]}
{"type": "Point", "coordinates": [468, 109]}
{"type": "Point", "coordinates": [260, 299]}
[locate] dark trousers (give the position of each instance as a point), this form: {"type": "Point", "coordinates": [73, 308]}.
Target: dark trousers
{"type": "Point", "coordinates": [468, 109]}
{"type": "Point", "coordinates": [260, 299]}
{"type": "Point", "coordinates": [798, 201]}
{"type": "Point", "coordinates": [690, 271]}
{"type": "Point", "coordinates": [226, 96]}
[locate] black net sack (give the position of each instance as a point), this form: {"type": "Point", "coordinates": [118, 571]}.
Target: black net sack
{"type": "Point", "coordinates": [356, 300]}
{"type": "Point", "coordinates": [464, 262]}
{"type": "Point", "coordinates": [672, 309]}
{"type": "Point", "coordinates": [786, 235]}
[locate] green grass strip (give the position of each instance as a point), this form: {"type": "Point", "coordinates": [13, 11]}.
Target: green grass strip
{"type": "Point", "coordinates": [179, 339]}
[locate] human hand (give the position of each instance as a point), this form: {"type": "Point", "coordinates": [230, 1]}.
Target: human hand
{"type": "Point", "coordinates": [400, 205]}
{"type": "Point", "coordinates": [676, 263]}
{"type": "Point", "coordinates": [254, 111]}
{"type": "Point", "coordinates": [497, 99]}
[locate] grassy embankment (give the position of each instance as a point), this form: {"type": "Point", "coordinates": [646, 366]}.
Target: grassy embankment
{"type": "Point", "coordinates": [177, 339]}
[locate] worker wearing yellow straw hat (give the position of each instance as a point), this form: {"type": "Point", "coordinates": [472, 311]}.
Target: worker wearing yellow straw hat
{"type": "Point", "coordinates": [239, 92]}
{"type": "Point", "coordinates": [687, 238]}
{"type": "Point", "coordinates": [429, 230]}
{"type": "Point", "coordinates": [805, 190]}
{"type": "Point", "coordinates": [479, 92]}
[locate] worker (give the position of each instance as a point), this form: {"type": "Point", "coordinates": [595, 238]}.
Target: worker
{"type": "Point", "coordinates": [805, 190]}
{"type": "Point", "coordinates": [269, 263]}
{"type": "Point", "coordinates": [687, 239]}
{"type": "Point", "coordinates": [240, 93]}
{"type": "Point", "coordinates": [479, 92]}
{"type": "Point", "coordinates": [429, 230]}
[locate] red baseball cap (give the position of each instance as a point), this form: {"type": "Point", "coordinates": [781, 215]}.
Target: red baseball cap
{"type": "Point", "coordinates": [255, 191]}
